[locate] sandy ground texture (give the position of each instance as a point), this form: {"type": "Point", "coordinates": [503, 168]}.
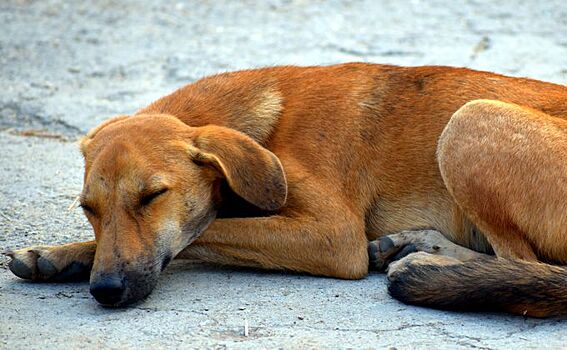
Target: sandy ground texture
{"type": "Point", "coordinates": [67, 65]}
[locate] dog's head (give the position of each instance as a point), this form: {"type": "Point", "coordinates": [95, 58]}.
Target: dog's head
{"type": "Point", "coordinates": [150, 190]}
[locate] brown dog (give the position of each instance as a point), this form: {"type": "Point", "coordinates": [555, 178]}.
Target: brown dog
{"type": "Point", "coordinates": [298, 168]}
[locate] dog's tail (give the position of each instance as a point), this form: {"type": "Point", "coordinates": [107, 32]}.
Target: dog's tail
{"type": "Point", "coordinates": [525, 288]}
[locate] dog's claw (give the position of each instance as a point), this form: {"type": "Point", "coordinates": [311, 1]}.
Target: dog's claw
{"type": "Point", "coordinates": [9, 253]}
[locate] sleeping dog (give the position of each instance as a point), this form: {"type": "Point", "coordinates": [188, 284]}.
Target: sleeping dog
{"type": "Point", "coordinates": [455, 179]}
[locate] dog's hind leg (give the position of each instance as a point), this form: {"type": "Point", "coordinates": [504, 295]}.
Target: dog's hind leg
{"type": "Point", "coordinates": [506, 167]}
{"type": "Point", "coordinates": [388, 249]}
{"type": "Point", "coordinates": [53, 263]}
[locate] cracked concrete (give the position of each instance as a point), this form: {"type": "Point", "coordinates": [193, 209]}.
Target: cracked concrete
{"type": "Point", "coordinates": [66, 66]}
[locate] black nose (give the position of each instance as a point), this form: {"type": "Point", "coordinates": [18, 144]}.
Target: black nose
{"type": "Point", "coordinates": [108, 289]}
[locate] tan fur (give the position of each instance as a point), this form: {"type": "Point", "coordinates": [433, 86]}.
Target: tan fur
{"type": "Point", "coordinates": [421, 258]}
{"type": "Point", "coordinates": [84, 141]}
{"type": "Point", "coordinates": [506, 165]}
{"type": "Point", "coordinates": [329, 158]}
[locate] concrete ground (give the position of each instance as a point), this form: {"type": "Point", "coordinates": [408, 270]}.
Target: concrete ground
{"type": "Point", "coordinates": [65, 66]}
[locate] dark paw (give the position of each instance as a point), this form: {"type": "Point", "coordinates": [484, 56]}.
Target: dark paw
{"type": "Point", "coordinates": [31, 264]}
{"type": "Point", "coordinates": [384, 251]}
{"type": "Point", "coordinates": [386, 244]}
{"type": "Point", "coordinates": [23, 263]}
{"type": "Point", "coordinates": [46, 267]}
{"type": "Point", "coordinates": [20, 269]}
{"type": "Point", "coordinates": [372, 254]}
{"type": "Point", "coordinates": [405, 251]}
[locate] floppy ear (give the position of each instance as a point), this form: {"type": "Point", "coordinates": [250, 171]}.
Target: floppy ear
{"type": "Point", "coordinates": [252, 171]}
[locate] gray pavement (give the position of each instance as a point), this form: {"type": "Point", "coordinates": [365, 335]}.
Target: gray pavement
{"type": "Point", "coordinates": [65, 66]}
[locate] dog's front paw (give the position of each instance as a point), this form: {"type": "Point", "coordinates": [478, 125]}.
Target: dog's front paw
{"type": "Point", "coordinates": [43, 263]}
{"type": "Point", "coordinates": [30, 264]}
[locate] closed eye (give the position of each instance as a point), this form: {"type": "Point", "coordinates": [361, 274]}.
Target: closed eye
{"type": "Point", "coordinates": [87, 209]}
{"type": "Point", "coordinates": [148, 198]}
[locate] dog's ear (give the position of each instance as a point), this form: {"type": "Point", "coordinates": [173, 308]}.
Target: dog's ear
{"type": "Point", "coordinates": [252, 171]}
{"type": "Point", "coordinates": [85, 140]}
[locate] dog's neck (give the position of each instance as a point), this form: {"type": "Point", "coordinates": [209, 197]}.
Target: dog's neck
{"type": "Point", "coordinates": [252, 106]}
